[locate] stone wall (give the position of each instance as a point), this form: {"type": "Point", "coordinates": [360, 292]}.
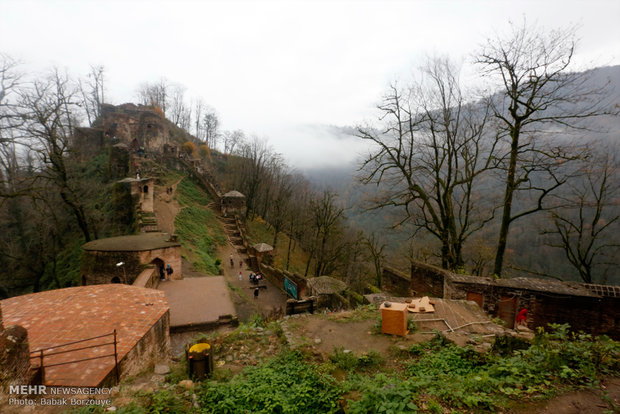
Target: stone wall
{"type": "Point", "coordinates": [396, 282]}
{"type": "Point", "coordinates": [170, 255]}
{"type": "Point", "coordinates": [149, 278]}
{"type": "Point", "coordinates": [427, 280]}
{"type": "Point", "coordinates": [152, 348]}
{"type": "Point", "coordinates": [276, 276]}
{"type": "Point", "coordinates": [136, 126]}
{"type": "Point", "coordinates": [595, 314]}
{"type": "Point", "coordinates": [14, 356]}
{"type": "Point", "coordinates": [99, 267]}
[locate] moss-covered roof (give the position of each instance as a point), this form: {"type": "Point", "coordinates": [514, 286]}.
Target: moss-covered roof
{"type": "Point", "coordinates": [325, 285]}
{"type": "Point", "coordinates": [134, 243]}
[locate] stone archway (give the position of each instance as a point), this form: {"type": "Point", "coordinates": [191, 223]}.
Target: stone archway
{"type": "Point", "coordinates": [159, 264]}
{"type": "Point", "coordinates": [115, 279]}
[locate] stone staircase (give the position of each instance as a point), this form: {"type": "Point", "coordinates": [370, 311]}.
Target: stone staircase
{"type": "Point", "coordinates": [148, 223]}
{"type": "Point", "coordinates": [234, 235]}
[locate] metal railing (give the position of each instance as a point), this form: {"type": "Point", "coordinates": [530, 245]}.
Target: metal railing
{"type": "Point", "coordinates": [43, 353]}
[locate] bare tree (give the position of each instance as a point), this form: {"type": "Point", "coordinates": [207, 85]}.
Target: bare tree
{"type": "Point", "coordinates": [537, 92]}
{"type": "Point", "coordinates": [583, 226]}
{"type": "Point", "coordinates": [199, 106]}
{"type": "Point", "coordinates": [178, 109]}
{"type": "Point", "coordinates": [326, 223]}
{"type": "Point", "coordinates": [429, 155]}
{"type": "Point", "coordinates": [92, 92]}
{"type": "Point", "coordinates": [10, 83]}
{"type": "Point", "coordinates": [155, 94]}
{"type": "Point", "coordinates": [46, 107]}
{"type": "Point", "coordinates": [297, 211]}
{"type": "Point", "coordinates": [279, 208]}
{"type": "Point", "coordinates": [250, 169]}
{"type": "Point", "coordinates": [376, 250]}
{"type": "Point", "coordinates": [232, 139]}
{"type": "Point", "coordinates": [211, 124]}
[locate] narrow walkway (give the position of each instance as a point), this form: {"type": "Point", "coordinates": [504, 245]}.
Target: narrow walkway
{"type": "Point", "coordinates": [270, 303]}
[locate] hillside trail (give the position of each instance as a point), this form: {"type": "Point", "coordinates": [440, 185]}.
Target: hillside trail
{"type": "Point", "coordinates": [270, 301]}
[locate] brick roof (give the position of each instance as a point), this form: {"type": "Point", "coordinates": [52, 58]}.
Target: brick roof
{"type": "Point", "coordinates": [61, 316]}
{"type": "Point", "coordinates": [140, 242]}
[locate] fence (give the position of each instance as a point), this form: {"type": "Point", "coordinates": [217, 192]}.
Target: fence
{"type": "Point", "coordinates": [42, 354]}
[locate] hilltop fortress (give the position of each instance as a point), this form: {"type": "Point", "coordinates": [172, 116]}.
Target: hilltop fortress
{"type": "Point", "coordinates": [134, 126]}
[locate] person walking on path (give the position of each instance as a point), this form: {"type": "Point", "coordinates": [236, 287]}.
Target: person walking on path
{"type": "Point", "coordinates": [232, 263]}
{"type": "Point", "coordinates": [241, 263]}
{"type": "Point", "coordinates": [240, 276]}
{"type": "Point", "coordinates": [256, 290]}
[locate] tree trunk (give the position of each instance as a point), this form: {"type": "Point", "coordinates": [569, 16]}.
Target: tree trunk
{"type": "Point", "coordinates": [506, 212]}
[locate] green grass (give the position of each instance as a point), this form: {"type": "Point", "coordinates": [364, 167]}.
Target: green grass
{"type": "Point", "coordinates": [199, 229]}
{"type": "Point", "coordinates": [189, 194]}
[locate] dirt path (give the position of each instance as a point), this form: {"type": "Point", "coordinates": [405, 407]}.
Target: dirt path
{"type": "Point", "coordinates": [270, 301]}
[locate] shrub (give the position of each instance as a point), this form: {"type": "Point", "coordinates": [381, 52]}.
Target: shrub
{"type": "Point", "coordinates": [285, 384]}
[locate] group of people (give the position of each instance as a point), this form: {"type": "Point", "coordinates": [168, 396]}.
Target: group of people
{"type": "Point", "coordinates": [256, 277]}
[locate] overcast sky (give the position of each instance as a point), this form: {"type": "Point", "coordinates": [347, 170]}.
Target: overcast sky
{"type": "Point", "coordinates": [276, 68]}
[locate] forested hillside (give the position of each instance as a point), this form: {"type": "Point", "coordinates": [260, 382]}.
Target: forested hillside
{"type": "Point", "coordinates": [518, 177]}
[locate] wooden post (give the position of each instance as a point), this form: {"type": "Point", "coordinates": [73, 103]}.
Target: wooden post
{"type": "Point", "coordinates": [118, 379]}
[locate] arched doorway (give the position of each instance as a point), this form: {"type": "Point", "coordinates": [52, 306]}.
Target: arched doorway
{"type": "Point", "coordinates": [159, 265]}
{"type": "Point", "coordinates": [146, 189]}
{"type": "Point", "coordinates": [115, 279]}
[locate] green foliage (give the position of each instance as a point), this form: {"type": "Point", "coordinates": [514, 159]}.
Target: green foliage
{"type": "Point", "coordinates": [384, 395]}
{"type": "Point", "coordinates": [178, 372]}
{"type": "Point", "coordinates": [461, 377]}
{"type": "Point", "coordinates": [188, 193]}
{"type": "Point", "coordinates": [256, 320]}
{"type": "Point", "coordinates": [164, 401]}
{"type": "Point", "coordinates": [198, 227]}
{"type": "Point", "coordinates": [506, 345]}
{"type": "Point", "coordinates": [435, 376]}
{"type": "Point", "coordinates": [285, 384]}
{"type": "Point", "coordinates": [347, 361]}
{"type": "Point", "coordinates": [344, 360]}
{"type": "Point", "coordinates": [67, 267]}
{"type": "Point", "coordinates": [199, 232]}
{"type": "Point", "coordinates": [411, 325]}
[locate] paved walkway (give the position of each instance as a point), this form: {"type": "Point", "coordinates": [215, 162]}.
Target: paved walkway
{"type": "Point", "coordinates": [198, 302]}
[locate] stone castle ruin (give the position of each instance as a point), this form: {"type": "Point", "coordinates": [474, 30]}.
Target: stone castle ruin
{"type": "Point", "coordinates": [136, 126]}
